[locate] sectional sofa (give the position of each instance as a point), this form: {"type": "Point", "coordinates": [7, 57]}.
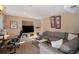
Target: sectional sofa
{"type": "Point", "coordinates": [68, 46]}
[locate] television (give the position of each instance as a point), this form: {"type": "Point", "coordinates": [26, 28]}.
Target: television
{"type": "Point", "coordinates": [27, 29]}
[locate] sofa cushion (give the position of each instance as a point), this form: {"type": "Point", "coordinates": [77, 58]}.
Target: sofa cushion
{"type": "Point", "coordinates": [54, 34]}
{"type": "Point", "coordinates": [48, 33]}
{"type": "Point", "coordinates": [59, 34]}
{"type": "Point", "coordinates": [71, 46]}
{"type": "Point", "coordinates": [53, 39]}
{"type": "Point", "coordinates": [77, 52]}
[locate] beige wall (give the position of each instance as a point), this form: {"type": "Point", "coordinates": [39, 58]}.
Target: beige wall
{"type": "Point", "coordinates": [19, 20]}
{"type": "Point", "coordinates": [69, 23]}
{"type": "Point", "coordinates": [27, 23]}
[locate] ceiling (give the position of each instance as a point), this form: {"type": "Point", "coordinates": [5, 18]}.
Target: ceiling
{"type": "Point", "coordinates": [34, 11]}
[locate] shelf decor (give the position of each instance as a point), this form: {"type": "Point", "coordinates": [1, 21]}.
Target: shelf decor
{"type": "Point", "coordinates": [55, 22]}
{"type": "Point", "coordinates": [52, 21]}
{"type": "Point", "coordinates": [58, 22]}
{"type": "Point", "coordinates": [13, 24]}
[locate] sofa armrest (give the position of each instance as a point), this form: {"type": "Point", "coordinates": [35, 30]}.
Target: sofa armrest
{"type": "Point", "coordinates": [47, 49]}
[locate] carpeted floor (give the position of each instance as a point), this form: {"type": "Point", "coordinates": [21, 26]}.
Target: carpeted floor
{"type": "Point", "coordinates": [27, 48]}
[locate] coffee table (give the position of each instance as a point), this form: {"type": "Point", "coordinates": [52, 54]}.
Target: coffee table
{"type": "Point", "coordinates": [36, 41]}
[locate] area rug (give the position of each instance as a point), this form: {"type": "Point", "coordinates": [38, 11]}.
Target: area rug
{"type": "Point", "coordinates": [27, 48]}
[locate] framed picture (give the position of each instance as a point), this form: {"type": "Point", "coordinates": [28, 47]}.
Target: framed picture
{"type": "Point", "coordinates": [58, 22]}
{"type": "Point", "coordinates": [52, 21]}
{"type": "Point", "coordinates": [13, 25]}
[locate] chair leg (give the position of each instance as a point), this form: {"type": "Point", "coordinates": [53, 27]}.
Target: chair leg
{"type": "Point", "coordinates": [10, 49]}
{"type": "Point", "coordinates": [18, 46]}
{"type": "Point", "coordinates": [14, 51]}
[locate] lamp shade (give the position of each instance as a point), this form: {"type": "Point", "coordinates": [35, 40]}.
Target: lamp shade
{"type": "Point", "coordinates": [1, 7]}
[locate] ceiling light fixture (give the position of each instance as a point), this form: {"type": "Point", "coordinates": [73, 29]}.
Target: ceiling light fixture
{"type": "Point", "coordinates": [71, 8]}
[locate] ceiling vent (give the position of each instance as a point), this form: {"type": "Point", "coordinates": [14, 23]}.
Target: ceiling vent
{"type": "Point", "coordinates": [72, 8]}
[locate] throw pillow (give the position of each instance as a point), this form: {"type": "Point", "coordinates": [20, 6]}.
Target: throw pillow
{"type": "Point", "coordinates": [71, 36]}
{"type": "Point", "coordinates": [57, 44]}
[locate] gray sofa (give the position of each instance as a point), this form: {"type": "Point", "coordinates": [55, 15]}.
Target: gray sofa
{"type": "Point", "coordinates": [68, 47]}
